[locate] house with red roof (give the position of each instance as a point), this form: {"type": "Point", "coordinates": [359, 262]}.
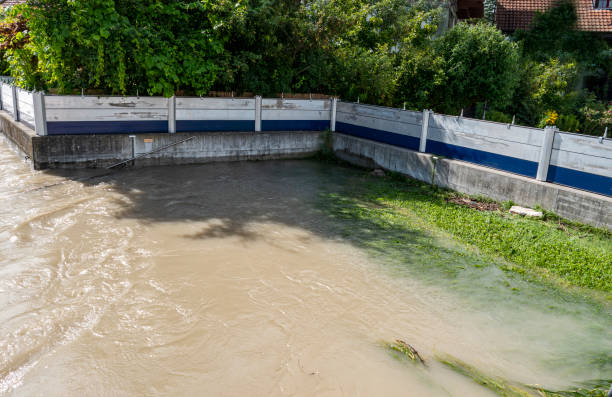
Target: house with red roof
{"type": "Point", "coordinates": [593, 15]}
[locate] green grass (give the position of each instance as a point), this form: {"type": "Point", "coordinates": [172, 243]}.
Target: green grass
{"type": "Point", "coordinates": [563, 252]}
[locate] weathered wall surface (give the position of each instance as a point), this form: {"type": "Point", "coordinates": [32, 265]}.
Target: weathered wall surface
{"type": "Point", "coordinates": [19, 134]}
{"type": "Point", "coordinates": [98, 151]}
{"type": "Point", "coordinates": [474, 179]}
{"type": "Point", "coordinates": [226, 146]}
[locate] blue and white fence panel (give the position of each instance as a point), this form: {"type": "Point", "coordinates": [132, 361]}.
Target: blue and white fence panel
{"type": "Point", "coordinates": [69, 115]}
{"type": "Point", "coordinates": [581, 161]}
{"type": "Point", "coordinates": [295, 114]}
{"type": "Point", "coordinates": [503, 146]}
{"type": "Point", "coordinates": [392, 126]}
{"type": "Point", "coordinates": [215, 114]}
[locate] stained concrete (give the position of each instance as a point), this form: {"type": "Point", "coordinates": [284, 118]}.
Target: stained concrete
{"type": "Point", "coordinates": [570, 203]}
{"type": "Point", "coordinates": [98, 151]}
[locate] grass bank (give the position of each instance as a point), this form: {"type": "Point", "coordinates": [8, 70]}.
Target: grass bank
{"type": "Point", "coordinates": [554, 250]}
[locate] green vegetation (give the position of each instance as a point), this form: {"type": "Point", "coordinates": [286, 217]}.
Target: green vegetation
{"type": "Point", "coordinates": [505, 388]}
{"type": "Point", "coordinates": [403, 351]}
{"type": "Point", "coordinates": [387, 52]}
{"type": "Point", "coordinates": [554, 250]}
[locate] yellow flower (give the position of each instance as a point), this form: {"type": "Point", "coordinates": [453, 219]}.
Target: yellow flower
{"type": "Point", "coordinates": [551, 117]}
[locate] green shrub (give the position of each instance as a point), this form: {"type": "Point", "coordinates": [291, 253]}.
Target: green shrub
{"type": "Point", "coordinates": [481, 65]}
{"type": "Point", "coordinates": [494, 115]}
{"type": "Point", "coordinates": [568, 123]}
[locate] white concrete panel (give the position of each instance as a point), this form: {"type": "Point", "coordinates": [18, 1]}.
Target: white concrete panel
{"type": "Point", "coordinates": [394, 126]}
{"type": "Point", "coordinates": [106, 114]}
{"type": "Point", "coordinates": [25, 105]}
{"type": "Point", "coordinates": [7, 101]}
{"type": "Point", "coordinates": [296, 104]}
{"type": "Point", "coordinates": [294, 114]}
{"type": "Point", "coordinates": [499, 131]}
{"type": "Point", "coordinates": [93, 102]}
{"type": "Point", "coordinates": [346, 110]}
{"type": "Point", "coordinates": [214, 114]}
{"type": "Point", "coordinates": [576, 143]}
{"type": "Point", "coordinates": [486, 143]}
{"type": "Point", "coordinates": [582, 162]}
{"type": "Point", "coordinates": [215, 103]}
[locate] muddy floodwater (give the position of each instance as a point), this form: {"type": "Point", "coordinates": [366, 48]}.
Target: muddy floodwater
{"type": "Point", "coordinates": [235, 279]}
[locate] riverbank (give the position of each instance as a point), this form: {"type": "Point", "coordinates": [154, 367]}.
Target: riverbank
{"type": "Point", "coordinates": [556, 251]}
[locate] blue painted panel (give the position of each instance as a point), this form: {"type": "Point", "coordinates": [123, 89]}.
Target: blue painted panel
{"type": "Point", "coordinates": [294, 125]}
{"type": "Point", "coordinates": [581, 180]}
{"type": "Point", "coordinates": [214, 125]}
{"type": "Point", "coordinates": [499, 161]}
{"type": "Point", "coordinates": [391, 138]}
{"type": "Point", "coordinates": [105, 127]}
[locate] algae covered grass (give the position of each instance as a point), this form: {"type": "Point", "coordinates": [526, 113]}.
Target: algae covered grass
{"type": "Point", "coordinates": [403, 351]}
{"type": "Point", "coordinates": [551, 249]}
{"type": "Point", "coordinates": [505, 388]}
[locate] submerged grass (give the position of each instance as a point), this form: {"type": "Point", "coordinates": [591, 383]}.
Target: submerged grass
{"type": "Point", "coordinates": [403, 351]}
{"type": "Point", "coordinates": [505, 388]}
{"type": "Point", "coordinates": [553, 249]}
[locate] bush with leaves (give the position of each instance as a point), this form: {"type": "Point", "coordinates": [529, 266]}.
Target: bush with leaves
{"type": "Point", "coordinates": [121, 46]}
{"type": "Point", "coordinates": [481, 64]}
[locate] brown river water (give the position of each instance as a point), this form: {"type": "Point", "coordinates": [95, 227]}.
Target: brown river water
{"type": "Point", "coordinates": [232, 279]}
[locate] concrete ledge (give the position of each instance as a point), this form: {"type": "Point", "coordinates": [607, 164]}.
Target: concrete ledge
{"type": "Point", "coordinates": [98, 151]}
{"type": "Point", "coordinates": [474, 179]}
{"type": "Point", "coordinates": [19, 134]}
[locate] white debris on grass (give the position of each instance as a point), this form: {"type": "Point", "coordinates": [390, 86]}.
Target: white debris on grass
{"type": "Point", "coordinates": [526, 212]}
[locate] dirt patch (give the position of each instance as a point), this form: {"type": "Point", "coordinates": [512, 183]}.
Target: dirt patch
{"type": "Point", "coordinates": [477, 205]}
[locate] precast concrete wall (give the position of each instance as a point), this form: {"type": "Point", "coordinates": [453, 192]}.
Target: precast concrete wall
{"type": "Point", "coordinates": [295, 114]}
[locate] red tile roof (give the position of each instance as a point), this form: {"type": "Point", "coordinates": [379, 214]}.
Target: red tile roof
{"type": "Point", "coordinates": [518, 14]}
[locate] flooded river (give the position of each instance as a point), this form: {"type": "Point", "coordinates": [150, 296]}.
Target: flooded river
{"type": "Point", "coordinates": [234, 280]}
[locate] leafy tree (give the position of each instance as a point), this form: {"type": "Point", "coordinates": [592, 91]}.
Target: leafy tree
{"type": "Point", "coordinates": [155, 46]}
{"type": "Point", "coordinates": [480, 63]}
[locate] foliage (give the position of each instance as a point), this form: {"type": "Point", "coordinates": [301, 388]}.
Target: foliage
{"type": "Point", "coordinates": [568, 123]}
{"type": "Point", "coordinates": [489, 10]}
{"type": "Point", "coordinates": [597, 116]}
{"type": "Point", "coordinates": [500, 117]}
{"type": "Point", "coordinates": [481, 65]}
{"type": "Point", "coordinates": [545, 86]}
{"type": "Point", "coordinates": [120, 45]}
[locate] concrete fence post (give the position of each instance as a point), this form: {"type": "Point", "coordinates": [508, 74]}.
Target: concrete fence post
{"type": "Point", "coordinates": [40, 113]}
{"type": "Point", "coordinates": [14, 98]}
{"type": "Point", "coordinates": [172, 114]}
{"type": "Point", "coordinates": [258, 113]}
{"type": "Point", "coordinates": [424, 129]}
{"type": "Point", "coordinates": [545, 152]}
{"type": "Point", "coordinates": [332, 116]}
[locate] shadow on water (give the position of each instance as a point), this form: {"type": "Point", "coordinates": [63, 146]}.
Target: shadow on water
{"type": "Point", "coordinates": [329, 201]}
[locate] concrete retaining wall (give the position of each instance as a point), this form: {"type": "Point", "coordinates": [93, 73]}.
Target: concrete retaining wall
{"type": "Point", "coordinates": [474, 179]}
{"type": "Point", "coordinates": [580, 161]}
{"type": "Point", "coordinates": [98, 151]}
